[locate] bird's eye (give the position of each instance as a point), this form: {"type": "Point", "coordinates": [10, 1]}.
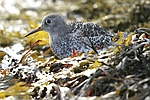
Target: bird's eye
{"type": "Point", "coordinates": [48, 21]}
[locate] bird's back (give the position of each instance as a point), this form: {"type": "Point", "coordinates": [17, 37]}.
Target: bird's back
{"type": "Point", "coordinates": [91, 34]}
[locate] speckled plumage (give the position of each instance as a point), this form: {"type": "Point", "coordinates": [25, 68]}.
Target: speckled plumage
{"type": "Point", "coordinates": [77, 36]}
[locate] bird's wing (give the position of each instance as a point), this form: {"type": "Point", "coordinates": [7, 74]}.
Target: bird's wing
{"type": "Point", "coordinates": [91, 34]}
{"type": "Point", "coordinates": [88, 29]}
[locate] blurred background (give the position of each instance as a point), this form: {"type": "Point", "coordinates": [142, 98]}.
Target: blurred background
{"type": "Point", "coordinates": [18, 17]}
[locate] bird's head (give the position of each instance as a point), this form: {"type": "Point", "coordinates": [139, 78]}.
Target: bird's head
{"type": "Point", "coordinates": [51, 23]}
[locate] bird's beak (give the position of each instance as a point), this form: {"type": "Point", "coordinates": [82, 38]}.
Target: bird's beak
{"type": "Point", "coordinates": [34, 31]}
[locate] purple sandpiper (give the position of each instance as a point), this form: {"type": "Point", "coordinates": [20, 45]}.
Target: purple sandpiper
{"type": "Point", "coordinates": [76, 36]}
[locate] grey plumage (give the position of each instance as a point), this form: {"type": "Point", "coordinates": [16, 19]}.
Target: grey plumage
{"type": "Point", "coordinates": [77, 36]}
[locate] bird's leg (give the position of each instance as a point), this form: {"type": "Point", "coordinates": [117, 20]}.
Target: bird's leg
{"type": "Point", "coordinates": [74, 53]}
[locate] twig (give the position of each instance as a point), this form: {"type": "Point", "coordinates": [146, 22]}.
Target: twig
{"type": "Point", "coordinates": [92, 46]}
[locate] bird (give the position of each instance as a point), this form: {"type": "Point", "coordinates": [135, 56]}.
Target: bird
{"type": "Point", "coordinates": [76, 36]}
